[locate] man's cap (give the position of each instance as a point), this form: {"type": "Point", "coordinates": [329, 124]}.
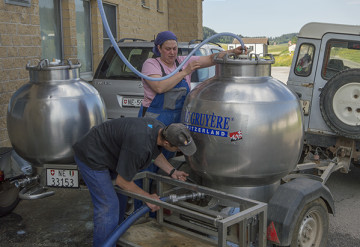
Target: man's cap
{"type": "Point", "coordinates": [161, 38]}
{"type": "Point", "coordinates": [178, 135]}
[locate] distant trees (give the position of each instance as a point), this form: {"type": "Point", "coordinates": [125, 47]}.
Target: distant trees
{"type": "Point", "coordinates": [285, 38]}
{"type": "Point", "coordinates": [208, 32]}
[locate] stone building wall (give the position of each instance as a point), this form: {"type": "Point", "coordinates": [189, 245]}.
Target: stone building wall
{"type": "Point", "coordinates": [186, 24]}
{"type": "Point", "coordinates": [19, 42]}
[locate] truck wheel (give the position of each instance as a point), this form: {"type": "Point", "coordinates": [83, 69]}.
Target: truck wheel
{"type": "Point", "coordinates": [340, 103]}
{"type": "Point", "coordinates": [311, 229]}
{"type": "Point", "coordinates": [9, 197]}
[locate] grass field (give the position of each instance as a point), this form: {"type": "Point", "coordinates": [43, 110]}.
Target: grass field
{"type": "Point", "coordinates": [281, 54]}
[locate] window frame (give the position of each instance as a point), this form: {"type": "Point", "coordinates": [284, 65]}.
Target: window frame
{"type": "Point", "coordinates": [160, 6]}
{"type": "Point", "coordinates": [308, 73]}
{"type": "Point", "coordinates": [62, 54]}
{"type": "Point", "coordinates": [145, 4]}
{"type": "Point", "coordinates": [327, 56]}
{"type": "Point", "coordinates": [87, 74]}
{"type": "Point", "coordinates": [24, 3]}
{"type": "Point", "coordinates": [116, 27]}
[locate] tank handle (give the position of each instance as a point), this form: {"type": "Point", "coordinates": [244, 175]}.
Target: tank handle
{"type": "Point", "coordinates": [257, 57]}
{"type": "Point", "coordinates": [224, 58]}
{"type": "Point", "coordinates": [250, 57]}
{"type": "Point", "coordinates": [37, 62]}
{"type": "Point", "coordinates": [44, 63]}
{"type": "Point", "coordinates": [231, 55]}
{"type": "Point", "coordinates": [76, 65]}
{"type": "Point", "coordinates": [272, 58]}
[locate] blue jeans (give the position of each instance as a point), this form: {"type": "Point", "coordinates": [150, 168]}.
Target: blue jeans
{"type": "Point", "coordinates": [109, 206]}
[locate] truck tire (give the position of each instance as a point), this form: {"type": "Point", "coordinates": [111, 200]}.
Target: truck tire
{"type": "Point", "coordinates": [9, 197]}
{"type": "Point", "coordinates": [340, 103]}
{"type": "Point", "coordinates": [311, 228]}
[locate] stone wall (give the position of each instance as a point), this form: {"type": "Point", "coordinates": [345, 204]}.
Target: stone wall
{"type": "Point", "coordinates": [185, 19]}
{"type": "Point", "coordinates": [19, 42]}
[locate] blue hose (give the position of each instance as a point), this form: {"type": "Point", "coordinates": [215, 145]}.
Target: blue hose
{"type": "Point", "coordinates": [122, 228]}
{"type": "Point", "coordinates": [123, 58]}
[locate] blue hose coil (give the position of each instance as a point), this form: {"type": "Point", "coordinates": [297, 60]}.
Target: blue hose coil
{"type": "Point", "coordinates": [122, 228]}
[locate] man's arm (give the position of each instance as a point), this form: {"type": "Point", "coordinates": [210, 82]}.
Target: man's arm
{"type": "Point", "coordinates": [164, 165]}
{"type": "Point", "coordinates": [132, 187]}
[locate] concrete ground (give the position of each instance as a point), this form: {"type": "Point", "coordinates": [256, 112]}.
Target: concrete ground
{"type": "Point", "coordinates": [280, 73]}
{"type": "Point", "coordinates": [64, 219]}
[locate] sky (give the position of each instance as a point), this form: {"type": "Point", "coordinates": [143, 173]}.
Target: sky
{"type": "Point", "coordinates": [272, 18]}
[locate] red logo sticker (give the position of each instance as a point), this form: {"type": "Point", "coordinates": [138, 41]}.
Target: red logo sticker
{"type": "Point", "coordinates": [235, 136]}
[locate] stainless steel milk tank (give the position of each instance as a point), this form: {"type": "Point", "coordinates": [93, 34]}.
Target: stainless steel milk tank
{"type": "Point", "coordinates": [247, 127]}
{"type": "Point", "coordinates": [51, 112]}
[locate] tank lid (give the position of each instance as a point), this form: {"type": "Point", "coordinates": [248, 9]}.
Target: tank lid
{"type": "Point", "coordinates": [250, 59]}
{"type": "Point", "coordinates": [44, 64]}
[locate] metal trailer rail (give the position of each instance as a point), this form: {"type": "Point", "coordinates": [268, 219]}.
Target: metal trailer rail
{"type": "Point", "coordinates": [205, 222]}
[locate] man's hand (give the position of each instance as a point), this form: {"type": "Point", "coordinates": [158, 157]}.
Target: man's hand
{"type": "Point", "coordinates": [153, 207]}
{"type": "Point", "coordinates": [132, 187]}
{"type": "Point", "coordinates": [179, 175]}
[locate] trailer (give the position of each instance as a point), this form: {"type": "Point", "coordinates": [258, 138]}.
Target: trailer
{"type": "Point", "coordinates": [298, 211]}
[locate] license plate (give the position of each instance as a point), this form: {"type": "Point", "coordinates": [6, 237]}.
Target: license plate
{"type": "Point", "coordinates": [132, 102]}
{"type": "Point", "coordinates": [62, 178]}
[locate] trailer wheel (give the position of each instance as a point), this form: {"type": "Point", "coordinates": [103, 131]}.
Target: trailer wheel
{"type": "Point", "coordinates": [340, 103]}
{"type": "Point", "coordinates": [9, 197]}
{"type": "Point", "coordinates": [311, 229]}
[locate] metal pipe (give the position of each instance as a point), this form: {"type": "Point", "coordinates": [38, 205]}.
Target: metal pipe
{"type": "Point", "coordinates": [25, 181]}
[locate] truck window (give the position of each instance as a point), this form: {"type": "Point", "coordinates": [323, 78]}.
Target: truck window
{"type": "Point", "coordinates": [340, 55]}
{"type": "Point", "coordinates": [305, 60]}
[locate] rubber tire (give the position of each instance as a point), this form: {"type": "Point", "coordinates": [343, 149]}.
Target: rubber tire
{"type": "Point", "coordinates": [317, 211]}
{"type": "Point", "coordinates": [326, 103]}
{"type": "Point", "coordinates": [9, 198]}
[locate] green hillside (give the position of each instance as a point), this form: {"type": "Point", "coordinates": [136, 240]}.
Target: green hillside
{"type": "Point", "coordinates": [281, 55]}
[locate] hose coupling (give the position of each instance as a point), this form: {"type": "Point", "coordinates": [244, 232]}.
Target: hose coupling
{"type": "Point", "coordinates": [25, 181]}
{"type": "Point", "coordinates": [191, 196]}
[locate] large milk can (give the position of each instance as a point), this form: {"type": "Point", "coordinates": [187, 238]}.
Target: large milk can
{"type": "Point", "coordinates": [51, 112]}
{"type": "Point", "coordinates": [247, 127]}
